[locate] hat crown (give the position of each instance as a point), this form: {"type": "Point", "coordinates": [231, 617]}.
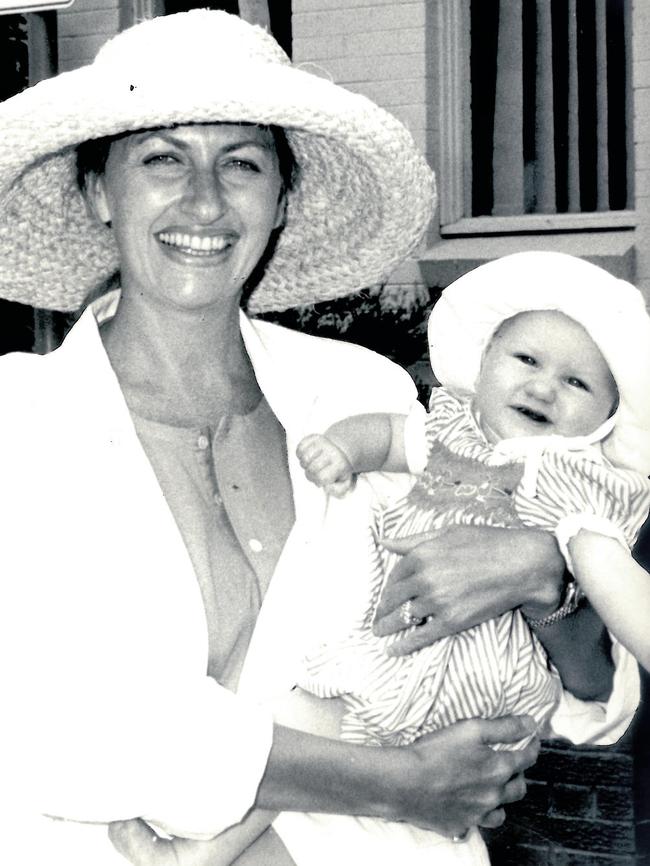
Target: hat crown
{"type": "Point", "coordinates": [198, 38]}
{"type": "Point", "coordinates": [360, 203]}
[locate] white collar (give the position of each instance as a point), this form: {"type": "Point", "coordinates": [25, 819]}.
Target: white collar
{"type": "Point", "coordinates": [530, 449]}
{"type": "Point", "coordinates": [285, 387]}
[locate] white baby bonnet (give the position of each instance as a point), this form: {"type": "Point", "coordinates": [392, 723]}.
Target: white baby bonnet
{"type": "Point", "coordinates": [612, 312]}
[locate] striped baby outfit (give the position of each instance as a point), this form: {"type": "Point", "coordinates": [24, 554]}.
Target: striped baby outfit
{"type": "Point", "coordinates": [496, 668]}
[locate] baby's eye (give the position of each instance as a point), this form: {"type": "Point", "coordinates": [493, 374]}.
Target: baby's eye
{"type": "Point", "coordinates": [525, 359]}
{"type": "Point", "coordinates": [578, 383]}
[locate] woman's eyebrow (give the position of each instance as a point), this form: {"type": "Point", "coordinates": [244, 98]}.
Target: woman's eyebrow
{"type": "Point", "coordinates": [165, 134]}
{"type": "Point", "coordinates": [252, 142]}
{"type": "Point", "coordinates": [168, 136]}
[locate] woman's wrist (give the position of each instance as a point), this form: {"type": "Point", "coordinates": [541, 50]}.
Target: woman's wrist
{"type": "Point", "coordinates": [545, 576]}
{"type": "Point", "coordinates": [307, 773]}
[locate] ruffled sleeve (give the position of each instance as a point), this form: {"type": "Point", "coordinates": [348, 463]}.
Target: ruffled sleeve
{"type": "Point", "coordinates": [423, 429]}
{"type": "Point", "coordinates": [576, 491]}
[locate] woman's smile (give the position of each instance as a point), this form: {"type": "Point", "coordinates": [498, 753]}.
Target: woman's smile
{"type": "Point", "coordinates": [196, 245]}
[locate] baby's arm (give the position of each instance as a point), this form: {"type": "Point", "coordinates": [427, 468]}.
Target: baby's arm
{"type": "Point", "coordinates": [360, 443]}
{"type": "Point", "coordinates": [617, 587]}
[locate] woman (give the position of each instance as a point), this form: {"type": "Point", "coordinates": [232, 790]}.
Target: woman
{"type": "Point", "coordinates": [160, 439]}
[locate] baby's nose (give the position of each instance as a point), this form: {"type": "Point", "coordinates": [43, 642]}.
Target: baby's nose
{"type": "Point", "coordinates": [542, 386]}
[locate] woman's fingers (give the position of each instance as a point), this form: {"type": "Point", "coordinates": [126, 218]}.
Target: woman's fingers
{"type": "Point", "coordinates": [412, 640]}
{"type": "Point", "coordinates": [493, 819]}
{"type": "Point", "coordinates": [512, 729]}
{"type": "Point", "coordinates": [136, 841]}
{"type": "Point", "coordinates": [514, 790]}
{"type": "Point", "coordinates": [462, 780]}
{"type": "Point", "coordinates": [394, 597]}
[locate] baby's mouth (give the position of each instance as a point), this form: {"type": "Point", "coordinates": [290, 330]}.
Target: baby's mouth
{"type": "Point", "coordinates": [195, 245]}
{"type": "Point", "coordinates": [537, 417]}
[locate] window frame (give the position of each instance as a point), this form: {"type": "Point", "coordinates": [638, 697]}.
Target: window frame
{"type": "Point", "coordinates": [455, 148]}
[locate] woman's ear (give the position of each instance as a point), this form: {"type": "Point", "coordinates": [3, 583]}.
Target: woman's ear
{"type": "Point", "coordinates": [96, 197]}
{"type": "Point", "coordinates": [281, 212]}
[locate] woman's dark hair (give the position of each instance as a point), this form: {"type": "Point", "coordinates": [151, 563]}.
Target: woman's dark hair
{"type": "Point", "coordinates": [93, 154]}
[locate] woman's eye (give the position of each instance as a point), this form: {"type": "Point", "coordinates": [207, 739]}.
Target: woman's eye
{"type": "Point", "coordinates": [243, 165]}
{"type": "Point", "coordinates": [160, 159]}
{"type": "Point", "coordinates": [525, 359]}
{"type": "Point", "coordinates": [577, 383]}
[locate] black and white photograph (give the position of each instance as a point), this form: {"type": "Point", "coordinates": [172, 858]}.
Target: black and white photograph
{"type": "Point", "coordinates": [325, 432]}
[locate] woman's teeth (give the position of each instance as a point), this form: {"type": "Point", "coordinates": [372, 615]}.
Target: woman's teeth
{"type": "Point", "coordinates": [195, 243]}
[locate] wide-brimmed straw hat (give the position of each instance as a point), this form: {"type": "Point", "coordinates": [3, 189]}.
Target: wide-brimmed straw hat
{"type": "Point", "coordinates": [361, 204]}
{"type": "Point", "coordinates": [611, 310]}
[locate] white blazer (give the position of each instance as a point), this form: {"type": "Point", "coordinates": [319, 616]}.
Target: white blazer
{"type": "Point", "coordinates": [111, 712]}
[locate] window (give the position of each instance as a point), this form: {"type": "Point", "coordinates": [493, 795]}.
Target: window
{"type": "Point", "coordinates": [542, 139]}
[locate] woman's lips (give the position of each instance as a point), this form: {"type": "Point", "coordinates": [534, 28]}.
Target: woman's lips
{"type": "Point", "coordinates": [195, 245]}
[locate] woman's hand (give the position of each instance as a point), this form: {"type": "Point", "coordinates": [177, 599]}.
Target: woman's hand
{"type": "Point", "coordinates": [447, 781]}
{"type": "Point", "coordinates": [460, 781]}
{"type": "Point", "coordinates": [464, 575]}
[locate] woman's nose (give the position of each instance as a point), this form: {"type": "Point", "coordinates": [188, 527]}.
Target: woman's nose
{"type": "Point", "coordinates": [203, 199]}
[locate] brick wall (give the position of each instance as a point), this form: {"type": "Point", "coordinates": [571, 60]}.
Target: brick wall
{"type": "Point", "coordinates": [578, 811]}
{"type": "Point", "coordinates": [382, 49]}
{"type": "Point", "coordinates": [83, 29]}
{"type": "Point", "coordinates": [374, 47]}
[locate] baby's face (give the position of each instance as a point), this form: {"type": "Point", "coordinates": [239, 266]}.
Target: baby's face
{"type": "Point", "coordinates": [542, 374]}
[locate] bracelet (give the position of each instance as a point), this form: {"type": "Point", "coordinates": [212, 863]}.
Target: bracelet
{"type": "Point", "coordinates": [573, 595]}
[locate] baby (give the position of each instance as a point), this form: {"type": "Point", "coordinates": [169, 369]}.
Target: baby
{"type": "Point", "coordinates": [543, 420]}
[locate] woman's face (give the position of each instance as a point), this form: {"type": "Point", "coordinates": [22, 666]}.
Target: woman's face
{"type": "Point", "coordinates": [192, 208]}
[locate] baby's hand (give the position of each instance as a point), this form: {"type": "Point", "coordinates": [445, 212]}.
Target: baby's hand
{"type": "Point", "coordinates": [325, 464]}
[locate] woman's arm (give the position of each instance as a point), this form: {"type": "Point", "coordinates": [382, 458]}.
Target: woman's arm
{"type": "Point", "coordinates": [617, 587]}
{"type": "Point", "coordinates": [463, 575]}
{"type": "Point", "coordinates": [448, 781]}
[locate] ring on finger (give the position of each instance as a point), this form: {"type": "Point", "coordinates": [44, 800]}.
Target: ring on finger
{"type": "Point", "coordinates": [407, 616]}
{"type": "Point", "coordinates": [462, 837]}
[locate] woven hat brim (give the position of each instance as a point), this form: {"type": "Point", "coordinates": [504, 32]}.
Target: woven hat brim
{"type": "Point", "coordinates": [364, 198]}
{"type": "Point", "coordinates": [612, 311]}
